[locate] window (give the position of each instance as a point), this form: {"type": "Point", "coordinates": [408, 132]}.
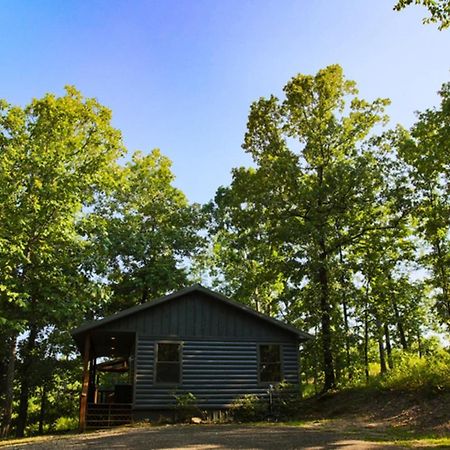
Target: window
{"type": "Point", "coordinates": [269, 363]}
{"type": "Point", "coordinates": [168, 367]}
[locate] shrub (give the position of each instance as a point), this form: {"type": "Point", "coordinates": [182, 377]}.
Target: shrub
{"type": "Point", "coordinates": [249, 408]}
{"type": "Point", "coordinates": [65, 424]}
{"type": "Point", "coordinates": [286, 399]}
{"type": "Point", "coordinates": [186, 406]}
{"type": "Point", "coordinates": [411, 372]}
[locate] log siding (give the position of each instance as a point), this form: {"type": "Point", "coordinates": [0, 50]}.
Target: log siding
{"type": "Point", "coordinates": [216, 372]}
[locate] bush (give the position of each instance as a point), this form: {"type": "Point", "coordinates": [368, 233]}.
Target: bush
{"type": "Point", "coordinates": [249, 408]}
{"type": "Point", "coordinates": [186, 407]}
{"type": "Point", "coordinates": [66, 424]}
{"type": "Point", "coordinates": [411, 373]}
{"type": "Point", "coordinates": [286, 399]}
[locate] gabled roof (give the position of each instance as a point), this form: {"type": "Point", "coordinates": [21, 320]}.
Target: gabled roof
{"type": "Point", "coordinates": [302, 336]}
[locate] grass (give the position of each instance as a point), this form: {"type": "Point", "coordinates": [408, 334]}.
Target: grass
{"type": "Point", "coordinates": [381, 434]}
{"type": "Point", "coordinates": [36, 439]}
{"type": "Point", "coordinates": [408, 438]}
{"type": "Point", "coordinates": [291, 423]}
{"type": "Point", "coordinates": [27, 440]}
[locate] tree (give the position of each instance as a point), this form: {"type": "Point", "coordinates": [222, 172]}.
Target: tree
{"type": "Point", "coordinates": [56, 154]}
{"type": "Point", "coordinates": [251, 268]}
{"type": "Point", "coordinates": [392, 300]}
{"type": "Point", "coordinates": [145, 233]}
{"type": "Point", "coordinates": [439, 10]}
{"type": "Point", "coordinates": [316, 187]}
{"type": "Point", "coordinates": [426, 151]}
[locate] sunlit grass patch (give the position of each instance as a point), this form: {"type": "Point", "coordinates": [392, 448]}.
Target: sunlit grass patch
{"type": "Point", "coordinates": [292, 423]}
{"type": "Point", "coordinates": [408, 438]}
{"type": "Point", "coordinates": [26, 440]}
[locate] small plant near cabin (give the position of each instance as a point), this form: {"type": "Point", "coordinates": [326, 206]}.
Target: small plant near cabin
{"type": "Point", "coordinates": [186, 407]}
{"type": "Point", "coordinates": [249, 408]}
{"type": "Point", "coordinates": [286, 399]}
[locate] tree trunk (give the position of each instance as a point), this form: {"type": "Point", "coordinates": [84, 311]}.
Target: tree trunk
{"type": "Point", "coordinates": [9, 387]}
{"type": "Point", "coordinates": [419, 344]}
{"type": "Point", "coordinates": [315, 356]}
{"type": "Point", "coordinates": [42, 410]}
{"type": "Point", "coordinates": [144, 296]}
{"type": "Point", "coordinates": [388, 346]}
{"type": "Point", "coordinates": [366, 335]}
{"type": "Point", "coordinates": [85, 383]}
{"type": "Point", "coordinates": [325, 321]}
{"type": "Point", "coordinates": [401, 330]}
{"type": "Point", "coordinates": [382, 353]}
{"type": "Point", "coordinates": [441, 269]}
{"type": "Point", "coordinates": [345, 310]}
{"type": "Point", "coordinates": [25, 381]}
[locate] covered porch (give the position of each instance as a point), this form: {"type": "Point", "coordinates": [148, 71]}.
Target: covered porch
{"type": "Point", "coordinates": [108, 378]}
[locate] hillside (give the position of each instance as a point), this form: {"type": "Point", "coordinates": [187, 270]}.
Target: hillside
{"type": "Point", "coordinates": [420, 412]}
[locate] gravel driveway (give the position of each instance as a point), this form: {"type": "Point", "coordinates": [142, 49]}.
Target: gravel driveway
{"type": "Point", "coordinates": [205, 437]}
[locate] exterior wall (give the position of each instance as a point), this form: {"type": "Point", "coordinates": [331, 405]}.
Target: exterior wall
{"type": "Point", "coordinates": [215, 371]}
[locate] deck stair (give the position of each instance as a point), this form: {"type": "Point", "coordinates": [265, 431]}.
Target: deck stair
{"type": "Point", "coordinates": [107, 415]}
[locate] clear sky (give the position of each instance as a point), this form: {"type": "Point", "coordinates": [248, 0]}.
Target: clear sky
{"type": "Point", "coordinates": [181, 75]}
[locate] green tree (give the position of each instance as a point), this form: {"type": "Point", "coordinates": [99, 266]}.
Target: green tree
{"type": "Point", "coordinates": [314, 174]}
{"type": "Point", "coordinates": [426, 151]}
{"type": "Point", "coordinates": [56, 154]}
{"type": "Point", "coordinates": [391, 301]}
{"type": "Point", "coordinates": [145, 232]}
{"type": "Point", "coordinates": [251, 268]}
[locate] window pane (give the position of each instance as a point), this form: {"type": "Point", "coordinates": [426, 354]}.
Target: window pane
{"type": "Point", "coordinates": [270, 372]}
{"type": "Point", "coordinates": [168, 352]}
{"type": "Point", "coordinates": [167, 372]}
{"type": "Point", "coordinates": [269, 353]}
{"type": "Point", "coordinates": [269, 363]}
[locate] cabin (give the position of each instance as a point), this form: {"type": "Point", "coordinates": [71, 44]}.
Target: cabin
{"type": "Point", "coordinates": [194, 341]}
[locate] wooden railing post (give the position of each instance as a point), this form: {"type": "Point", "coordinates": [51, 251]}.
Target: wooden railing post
{"type": "Point", "coordinates": [85, 386]}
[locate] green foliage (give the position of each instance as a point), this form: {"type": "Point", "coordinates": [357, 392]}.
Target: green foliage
{"type": "Point", "coordinates": [425, 149]}
{"type": "Point", "coordinates": [75, 230]}
{"type": "Point", "coordinates": [439, 10]}
{"type": "Point", "coordinates": [65, 424]}
{"type": "Point", "coordinates": [413, 373]}
{"type": "Point", "coordinates": [253, 408]}
{"type": "Point", "coordinates": [185, 400]}
{"type": "Point", "coordinates": [144, 233]}
{"type": "Point", "coordinates": [249, 408]}
{"type": "Point", "coordinates": [186, 406]}
{"type": "Point", "coordinates": [286, 401]}
{"type": "Point", "coordinates": [56, 155]}
{"type": "Point", "coordinates": [317, 188]}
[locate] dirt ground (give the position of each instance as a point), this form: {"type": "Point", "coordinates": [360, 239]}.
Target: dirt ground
{"type": "Point", "coordinates": [204, 437]}
{"type": "Point", "coordinates": [350, 420]}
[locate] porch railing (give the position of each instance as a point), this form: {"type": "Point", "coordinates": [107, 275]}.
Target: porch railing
{"type": "Point", "coordinates": [107, 415]}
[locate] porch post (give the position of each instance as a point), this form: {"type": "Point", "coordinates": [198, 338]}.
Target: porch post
{"type": "Point", "coordinates": [85, 386]}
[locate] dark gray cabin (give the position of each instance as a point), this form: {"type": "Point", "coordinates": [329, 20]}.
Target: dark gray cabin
{"type": "Point", "coordinates": [192, 341]}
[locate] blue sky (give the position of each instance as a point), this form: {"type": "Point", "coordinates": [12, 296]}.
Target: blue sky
{"type": "Point", "coordinates": [181, 75]}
